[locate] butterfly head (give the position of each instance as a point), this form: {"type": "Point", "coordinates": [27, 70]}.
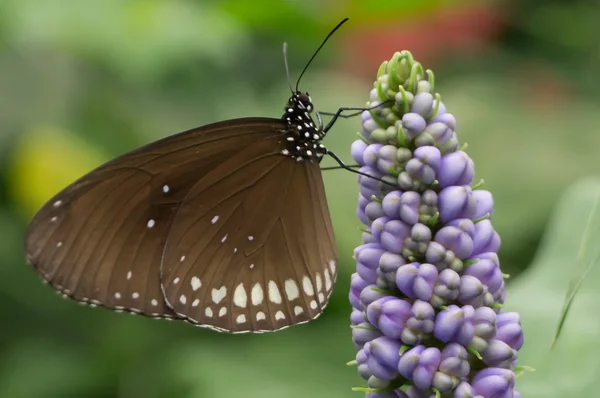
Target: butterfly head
{"type": "Point", "coordinates": [303, 136]}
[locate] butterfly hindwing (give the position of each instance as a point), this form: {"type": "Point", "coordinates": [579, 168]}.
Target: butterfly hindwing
{"type": "Point", "coordinates": [252, 247]}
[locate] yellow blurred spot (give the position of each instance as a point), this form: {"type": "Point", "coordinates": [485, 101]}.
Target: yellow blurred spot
{"type": "Point", "coordinates": [46, 160]}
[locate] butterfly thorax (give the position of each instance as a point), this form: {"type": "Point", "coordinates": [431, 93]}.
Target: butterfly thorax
{"type": "Point", "coordinates": [303, 137]}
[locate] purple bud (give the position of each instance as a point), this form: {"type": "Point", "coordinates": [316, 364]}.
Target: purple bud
{"type": "Point", "coordinates": [509, 329]}
{"type": "Point", "coordinates": [418, 241]}
{"type": "Point", "coordinates": [358, 149]}
{"type": "Point", "coordinates": [498, 354]}
{"type": "Point", "coordinates": [412, 124]}
{"type": "Point", "coordinates": [471, 290]}
{"type": "Point", "coordinates": [486, 238]}
{"type": "Point", "coordinates": [369, 186]}
{"type": "Point", "coordinates": [389, 264]}
{"type": "Point", "coordinates": [420, 324]}
{"type": "Point", "coordinates": [487, 270]}
{"type": "Point", "coordinates": [485, 203]}
{"type": "Point", "coordinates": [391, 204]}
{"type": "Point", "coordinates": [420, 364]}
{"type": "Point", "coordinates": [357, 284]}
{"type": "Point", "coordinates": [446, 288]}
{"type": "Point", "coordinates": [437, 255]}
{"type": "Point", "coordinates": [363, 202]}
{"type": "Point", "coordinates": [414, 392]}
{"type": "Point", "coordinates": [465, 390]}
{"type": "Point", "coordinates": [409, 207]}
{"type": "Point", "coordinates": [356, 317]}
{"type": "Point", "coordinates": [384, 357]}
{"type": "Point", "coordinates": [370, 155]}
{"type": "Point", "coordinates": [447, 118]}
{"type": "Point", "coordinates": [455, 361]}
{"type": "Point", "coordinates": [389, 314]}
{"type": "Point", "coordinates": [455, 168]}
{"type": "Point", "coordinates": [393, 235]}
{"type": "Point", "coordinates": [369, 295]}
{"type": "Point", "coordinates": [437, 134]}
{"type": "Point", "coordinates": [360, 213]}
{"type": "Point", "coordinates": [362, 358]}
{"type": "Point", "coordinates": [455, 240]}
{"type": "Point", "coordinates": [363, 334]}
{"type": "Point", "coordinates": [494, 382]}
{"type": "Point", "coordinates": [417, 280]}
{"type": "Point", "coordinates": [374, 210]}
{"type": "Point", "coordinates": [454, 324]}
{"type": "Point", "coordinates": [367, 237]}
{"type": "Point", "coordinates": [386, 159]}
{"type": "Point", "coordinates": [377, 227]}
{"type": "Point", "coordinates": [367, 263]}
{"type": "Point", "coordinates": [424, 164]}
{"type": "Point", "coordinates": [422, 104]}
{"type": "Point", "coordinates": [484, 324]}
{"type": "Point", "coordinates": [456, 202]}
{"type": "Point", "coordinates": [465, 225]}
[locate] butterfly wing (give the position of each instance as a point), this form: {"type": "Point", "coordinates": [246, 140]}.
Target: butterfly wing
{"type": "Point", "coordinates": [101, 239]}
{"type": "Point", "coordinates": [251, 248]}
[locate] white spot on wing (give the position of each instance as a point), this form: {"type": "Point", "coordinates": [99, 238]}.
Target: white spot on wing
{"type": "Point", "coordinates": [208, 312]}
{"type": "Point", "coordinates": [117, 295]}
{"type": "Point", "coordinates": [176, 281]}
{"type": "Point", "coordinates": [298, 310]}
{"type": "Point", "coordinates": [321, 297]}
{"type": "Point", "coordinates": [135, 295]}
{"type": "Point", "coordinates": [308, 286]}
{"type": "Point", "coordinates": [182, 259]}
{"type": "Point", "coordinates": [274, 294]}
{"type": "Point", "coordinates": [57, 203]}
{"type": "Point", "coordinates": [319, 283]}
{"type": "Point", "coordinates": [241, 318]}
{"type": "Point", "coordinates": [223, 311]}
{"type": "Point", "coordinates": [54, 219]}
{"type": "Point", "coordinates": [239, 296]}
{"type": "Point", "coordinates": [260, 316]}
{"type": "Point", "coordinates": [166, 188]}
{"type": "Point", "coordinates": [313, 305]}
{"type": "Point", "coordinates": [224, 238]}
{"type": "Point", "coordinates": [279, 316]}
{"type": "Point", "coordinates": [154, 302]}
{"type": "Point", "coordinates": [332, 267]}
{"type": "Point", "coordinates": [150, 223]}
{"type": "Point", "coordinates": [251, 266]}
{"type": "Point", "coordinates": [129, 275]}
{"type": "Point", "coordinates": [250, 238]}
{"type": "Point", "coordinates": [327, 279]}
{"type": "Point", "coordinates": [183, 299]}
{"type": "Point", "coordinates": [214, 219]}
{"type": "Point", "coordinates": [59, 244]}
{"type": "Point", "coordinates": [218, 295]}
{"type": "Point", "coordinates": [196, 283]}
{"type": "Point", "coordinates": [291, 289]}
{"type": "Point", "coordinates": [257, 294]}
{"type": "Point", "coordinates": [196, 302]}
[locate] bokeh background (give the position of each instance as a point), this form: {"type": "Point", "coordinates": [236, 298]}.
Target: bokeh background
{"type": "Point", "coordinates": [82, 82]}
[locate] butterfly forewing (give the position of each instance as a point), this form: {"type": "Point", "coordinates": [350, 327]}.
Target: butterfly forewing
{"type": "Point", "coordinates": [247, 251]}
{"type": "Point", "coordinates": [101, 239]}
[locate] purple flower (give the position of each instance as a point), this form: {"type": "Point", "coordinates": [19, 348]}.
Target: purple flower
{"type": "Point", "coordinates": [426, 320]}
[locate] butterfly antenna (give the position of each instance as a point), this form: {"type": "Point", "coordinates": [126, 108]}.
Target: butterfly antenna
{"type": "Point", "coordinates": [318, 49]}
{"type": "Point", "coordinates": [287, 69]}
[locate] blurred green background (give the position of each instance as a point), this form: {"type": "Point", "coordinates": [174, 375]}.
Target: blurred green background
{"type": "Point", "coordinates": [83, 81]}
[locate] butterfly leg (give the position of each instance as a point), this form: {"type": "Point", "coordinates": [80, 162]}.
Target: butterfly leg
{"type": "Point", "coordinates": [349, 168]}
{"type": "Point", "coordinates": [339, 113]}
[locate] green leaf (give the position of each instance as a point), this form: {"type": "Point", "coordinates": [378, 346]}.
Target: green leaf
{"type": "Point", "coordinates": [571, 368]}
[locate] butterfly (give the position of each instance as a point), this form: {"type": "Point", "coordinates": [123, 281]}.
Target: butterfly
{"type": "Point", "coordinates": [225, 226]}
